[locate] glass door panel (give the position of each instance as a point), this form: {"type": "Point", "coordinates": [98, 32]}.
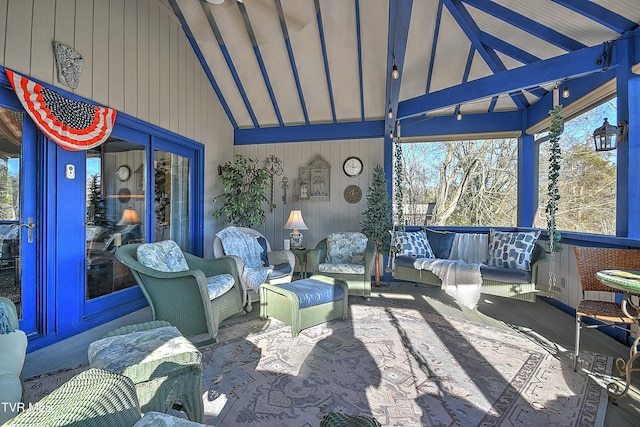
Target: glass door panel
{"type": "Point", "coordinates": [172, 189]}
{"type": "Point", "coordinates": [10, 186]}
{"type": "Point", "coordinates": [115, 212]}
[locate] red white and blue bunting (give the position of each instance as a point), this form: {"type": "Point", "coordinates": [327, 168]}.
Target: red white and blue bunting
{"type": "Point", "coordinates": [73, 125]}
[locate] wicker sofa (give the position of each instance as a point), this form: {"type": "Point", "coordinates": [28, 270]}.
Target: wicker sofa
{"type": "Point", "coordinates": [514, 283]}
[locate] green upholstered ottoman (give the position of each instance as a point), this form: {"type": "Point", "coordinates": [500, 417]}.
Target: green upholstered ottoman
{"type": "Point", "coordinates": [305, 303]}
{"type": "Point", "coordinates": [165, 367]}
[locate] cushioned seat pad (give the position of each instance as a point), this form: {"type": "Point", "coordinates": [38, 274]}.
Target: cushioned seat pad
{"type": "Point", "coordinates": [498, 274]}
{"type": "Point", "coordinates": [144, 355]}
{"type": "Point", "coordinates": [280, 270]}
{"type": "Point", "coordinates": [313, 292]}
{"type": "Point", "coordinates": [507, 275]}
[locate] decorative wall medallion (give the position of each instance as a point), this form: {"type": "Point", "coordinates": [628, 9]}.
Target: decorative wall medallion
{"type": "Point", "coordinates": [352, 194]}
{"type": "Point", "coordinates": [124, 195]}
{"type": "Point", "coordinates": [69, 65]}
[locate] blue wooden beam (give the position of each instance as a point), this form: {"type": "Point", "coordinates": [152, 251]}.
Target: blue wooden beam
{"type": "Point", "coordinates": [597, 13]}
{"type": "Point", "coordinates": [301, 133]}
{"type": "Point", "coordinates": [526, 24]}
{"type": "Point", "coordinates": [572, 64]}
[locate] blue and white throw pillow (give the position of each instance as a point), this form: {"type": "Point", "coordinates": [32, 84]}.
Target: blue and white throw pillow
{"type": "Point", "coordinates": [413, 244]}
{"type": "Point", "coordinates": [512, 249]}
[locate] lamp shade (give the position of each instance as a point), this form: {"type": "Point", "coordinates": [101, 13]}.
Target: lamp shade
{"type": "Point", "coordinates": [295, 222]}
{"type": "Point", "coordinates": [129, 217]}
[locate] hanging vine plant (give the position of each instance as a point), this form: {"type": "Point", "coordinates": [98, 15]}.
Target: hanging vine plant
{"type": "Point", "coordinates": [398, 169]}
{"type": "Point", "coordinates": [555, 157]}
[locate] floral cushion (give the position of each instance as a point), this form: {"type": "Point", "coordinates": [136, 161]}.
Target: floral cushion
{"type": "Point", "coordinates": [346, 248]}
{"type": "Point", "coordinates": [139, 354]}
{"type": "Point", "coordinates": [512, 249]}
{"type": "Point", "coordinates": [158, 419]}
{"type": "Point", "coordinates": [219, 284]}
{"type": "Point", "coordinates": [413, 244]}
{"type": "Point", "coordinates": [341, 268]}
{"type": "Point", "coordinates": [162, 256]}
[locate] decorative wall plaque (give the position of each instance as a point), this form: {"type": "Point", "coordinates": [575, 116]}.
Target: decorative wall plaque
{"type": "Point", "coordinates": [314, 182]}
{"type": "Point", "coordinates": [69, 65]}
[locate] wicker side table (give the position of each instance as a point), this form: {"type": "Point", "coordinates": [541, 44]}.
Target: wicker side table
{"type": "Point", "coordinates": [165, 366]}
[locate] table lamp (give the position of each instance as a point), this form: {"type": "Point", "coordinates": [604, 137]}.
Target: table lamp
{"type": "Point", "coordinates": [295, 223]}
{"type": "Point", "coordinates": [129, 217]}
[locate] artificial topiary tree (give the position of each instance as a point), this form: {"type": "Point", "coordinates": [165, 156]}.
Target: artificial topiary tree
{"type": "Point", "coordinates": [555, 158]}
{"type": "Point", "coordinates": [377, 222]}
{"type": "Point", "coordinates": [244, 184]}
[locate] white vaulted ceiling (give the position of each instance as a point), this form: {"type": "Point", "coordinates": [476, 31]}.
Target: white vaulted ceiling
{"type": "Point", "coordinates": [306, 69]}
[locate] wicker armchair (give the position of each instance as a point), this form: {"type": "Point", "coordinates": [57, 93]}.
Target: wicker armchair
{"type": "Point", "coordinates": [94, 397]}
{"type": "Point", "coordinates": [589, 261]}
{"type": "Point", "coordinates": [357, 274]}
{"type": "Point", "coordinates": [182, 297]}
{"type": "Point", "coordinates": [283, 262]}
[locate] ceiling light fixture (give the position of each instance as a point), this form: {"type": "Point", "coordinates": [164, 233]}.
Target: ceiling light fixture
{"type": "Point", "coordinates": [394, 70]}
{"type": "Point", "coordinates": [565, 91]}
{"type": "Point", "coordinates": [459, 116]}
{"type": "Point", "coordinates": [390, 115]}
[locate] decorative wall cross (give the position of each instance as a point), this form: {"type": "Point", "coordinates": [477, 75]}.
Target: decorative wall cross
{"type": "Point", "coordinates": [273, 164]}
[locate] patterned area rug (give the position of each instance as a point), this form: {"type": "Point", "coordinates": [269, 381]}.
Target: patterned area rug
{"type": "Point", "coordinates": [403, 366]}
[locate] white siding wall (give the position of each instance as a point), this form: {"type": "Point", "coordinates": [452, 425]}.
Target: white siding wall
{"type": "Point", "coordinates": [322, 217]}
{"type": "Point", "coordinates": [136, 60]}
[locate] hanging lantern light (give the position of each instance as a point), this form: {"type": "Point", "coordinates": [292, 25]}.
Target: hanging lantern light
{"type": "Point", "coordinates": [607, 136]}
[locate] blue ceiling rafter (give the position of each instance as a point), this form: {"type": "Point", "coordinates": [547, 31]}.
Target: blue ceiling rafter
{"type": "Point", "coordinates": [525, 24]}
{"type": "Point", "coordinates": [599, 14]}
{"type": "Point", "coordinates": [359, 44]}
{"type": "Point", "coordinates": [229, 61]}
{"type": "Point", "coordinates": [434, 43]}
{"type": "Point", "coordinates": [256, 51]}
{"type": "Point", "coordinates": [194, 44]}
{"type": "Point", "coordinates": [430, 127]}
{"type": "Point", "coordinates": [469, 27]}
{"type": "Point", "coordinates": [399, 20]}
{"type": "Point", "coordinates": [492, 104]}
{"type": "Point", "coordinates": [317, 132]}
{"type": "Point", "coordinates": [292, 61]}
{"type": "Point", "coordinates": [558, 68]}
{"type": "Point", "coordinates": [467, 70]}
{"type": "Point", "coordinates": [507, 48]}
{"type": "Point", "coordinates": [325, 59]}
{"type": "Point", "coordinates": [515, 53]}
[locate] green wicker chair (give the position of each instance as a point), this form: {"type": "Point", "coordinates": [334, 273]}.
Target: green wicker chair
{"type": "Point", "coordinates": [358, 283]}
{"type": "Point", "coordinates": [182, 297]}
{"type": "Point", "coordinates": [94, 398]}
{"type": "Point", "coordinates": [338, 419]}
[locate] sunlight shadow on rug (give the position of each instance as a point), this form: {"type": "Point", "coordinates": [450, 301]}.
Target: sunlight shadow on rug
{"type": "Point", "coordinates": [400, 365]}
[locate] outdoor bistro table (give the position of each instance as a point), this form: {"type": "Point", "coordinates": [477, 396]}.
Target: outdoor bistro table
{"type": "Point", "coordinates": [627, 281]}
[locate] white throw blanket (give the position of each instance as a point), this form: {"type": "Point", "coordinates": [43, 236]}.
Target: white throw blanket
{"type": "Point", "coordinates": [246, 246]}
{"type": "Point", "coordinates": [460, 280]}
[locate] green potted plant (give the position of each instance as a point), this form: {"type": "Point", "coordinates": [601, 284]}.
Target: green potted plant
{"type": "Point", "coordinates": [555, 158]}
{"type": "Point", "coordinates": [243, 197]}
{"type": "Point", "coordinates": [377, 222]}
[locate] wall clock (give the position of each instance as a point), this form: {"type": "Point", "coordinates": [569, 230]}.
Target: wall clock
{"type": "Point", "coordinates": [352, 194]}
{"type": "Point", "coordinates": [352, 167]}
{"type": "Point", "coordinates": [123, 173]}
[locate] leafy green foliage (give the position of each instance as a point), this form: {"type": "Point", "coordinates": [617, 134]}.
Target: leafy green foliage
{"type": "Point", "coordinates": [398, 170]}
{"type": "Point", "coordinates": [244, 185]}
{"type": "Point", "coordinates": [377, 222]}
{"type": "Point", "coordinates": [555, 159]}
{"type": "Point", "coordinates": [96, 208]}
